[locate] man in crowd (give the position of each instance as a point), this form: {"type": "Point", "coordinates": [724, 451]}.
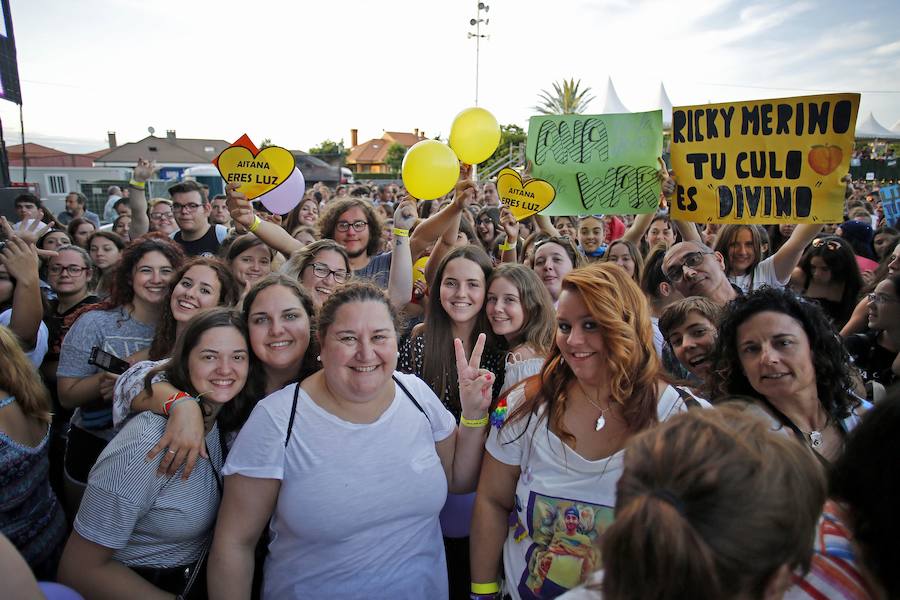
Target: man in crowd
{"type": "Point", "coordinates": [122, 208]}
{"type": "Point", "coordinates": [197, 236]}
{"type": "Point", "coordinates": [695, 270]}
{"type": "Point", "coordinates": [219, 212]}
{"type": "Point", "coordinates": [114, 194]}
{"type": "Point", "coordinates": [490, 196]}
{"type": "Point", "coordinates": [28, 206]}
{"type": "Point", "coordinates": [76, 207]}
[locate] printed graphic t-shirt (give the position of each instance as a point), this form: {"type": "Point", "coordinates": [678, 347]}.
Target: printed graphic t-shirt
{"type": "Point", "coordinates": [564, 503]}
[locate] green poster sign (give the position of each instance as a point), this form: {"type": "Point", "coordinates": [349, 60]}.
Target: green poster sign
{"type": "Point", "coordinates": [598, 164]}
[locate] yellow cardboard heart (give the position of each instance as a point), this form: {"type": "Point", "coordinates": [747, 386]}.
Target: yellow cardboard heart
{"type": "Point", "coordinates": [523, 200]}
{"type": "Point", "coordinates": [257, 174]}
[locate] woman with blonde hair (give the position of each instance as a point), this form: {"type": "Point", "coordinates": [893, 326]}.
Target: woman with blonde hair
{"type": "Point", "coordinates": [554, 460]}
{"type": "Point", "coordinates": [30, 515]}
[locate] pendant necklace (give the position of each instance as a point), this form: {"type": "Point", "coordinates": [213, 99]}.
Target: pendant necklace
{"type": "Point", "coordinates": [601, 420]}
{"type": "Point", "coordinates": [815, 436]}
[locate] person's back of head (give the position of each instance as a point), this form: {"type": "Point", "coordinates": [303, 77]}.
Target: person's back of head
{"type": "Point", "coordinates": [711, 504]}
{"type": "Point", "coordinates": [866, 479]}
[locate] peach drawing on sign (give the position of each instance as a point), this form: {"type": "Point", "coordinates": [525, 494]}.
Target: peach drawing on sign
{"type": "Point", "coordinates": [824, 159]}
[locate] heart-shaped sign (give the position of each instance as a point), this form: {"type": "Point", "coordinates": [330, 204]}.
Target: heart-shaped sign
{"type": "Point", "coordinates": [257, 173]}
{"type": "Point", "coordinates": [525, 199]}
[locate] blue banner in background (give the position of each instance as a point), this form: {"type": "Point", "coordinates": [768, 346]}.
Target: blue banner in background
{"type": "Point", "coordinates": [890, 203]}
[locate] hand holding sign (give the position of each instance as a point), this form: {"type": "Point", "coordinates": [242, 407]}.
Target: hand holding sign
{"type": "Point", "coordinates": [523, 199]}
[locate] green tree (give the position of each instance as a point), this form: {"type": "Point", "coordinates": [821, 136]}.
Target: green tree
{"type": "Point", "coordinates": [509, 134]}
{"type": "Point", "coordinates": [265, 143]}
{"type": "Point", "coordinates": [566, 99]}
{"type": "Point", "coordinates": [329, 148]}
{"type": "Point", "coordinates": [395, 154]}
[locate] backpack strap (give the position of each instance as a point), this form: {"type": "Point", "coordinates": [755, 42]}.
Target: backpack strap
{"type": "Point", "coordinates": [687, 398]}
{"type": "Point", "coordinates": [290, 426]}
{"type": "Point", "coordinates": [410, 396]}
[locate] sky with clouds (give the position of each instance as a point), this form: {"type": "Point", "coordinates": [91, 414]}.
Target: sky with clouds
{"type": "Point", "coordinates": [301, 72]}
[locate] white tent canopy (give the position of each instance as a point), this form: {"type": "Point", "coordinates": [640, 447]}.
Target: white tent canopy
{"type": "Point", "coordinates": [871, 129]}
{"type": "Point", "coordinates": [896, 127]}
{"type": "Point", "coordinates": [663, 103]}
{"type": "Point", "coordinates": [612, 105]}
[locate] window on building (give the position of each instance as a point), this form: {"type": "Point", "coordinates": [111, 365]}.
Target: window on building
{"type": "Point", "coordinates": [57, 184]}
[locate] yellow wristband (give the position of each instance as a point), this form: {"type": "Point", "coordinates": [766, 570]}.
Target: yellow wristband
{"type": "Point", "coordinates": [137, 184]}
{"type": "Point", "coordinates": [401, 232]}
{"type": "Point", "coordinates": [505, 247]}
{"type": "Point", "coordinates": [255, 225]}
{"type": "Point", "coordinates": [485, 588]}
{"type": "Point", "coordinates": [473, 423]}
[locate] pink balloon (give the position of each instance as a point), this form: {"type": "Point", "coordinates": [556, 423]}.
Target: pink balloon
{"type": "Point", "coordinates": [286, 196]}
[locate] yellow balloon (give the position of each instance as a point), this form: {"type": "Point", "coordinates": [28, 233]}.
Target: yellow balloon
{"type": "Point", "coordinates": [430, 170]}
{"type": "Point", "coordinates": [474, 135]}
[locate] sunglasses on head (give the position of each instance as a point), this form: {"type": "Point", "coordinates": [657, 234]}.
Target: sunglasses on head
{"type": "Point", "coordinates": [829, 244]}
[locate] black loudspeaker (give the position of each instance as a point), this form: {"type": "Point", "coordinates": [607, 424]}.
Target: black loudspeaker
{"type": "Point", "coordinates": [9, 69]}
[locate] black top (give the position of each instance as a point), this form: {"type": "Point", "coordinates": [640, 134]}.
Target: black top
{"type": "Point", "coordinates": [871, 358]}
{"type": "Point", "coordinates": [208, 245]}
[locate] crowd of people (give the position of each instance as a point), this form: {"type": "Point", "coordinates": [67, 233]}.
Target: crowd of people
{"type": "Point", "coordinates": [378, 397]}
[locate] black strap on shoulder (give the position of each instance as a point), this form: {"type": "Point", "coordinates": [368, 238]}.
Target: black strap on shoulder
{"type": "Point", "coordinates": [687, 398]}
{"type": "Point", "coordinates": [410, 396]}
{"type": "Point", "coordinates": [290, 426]}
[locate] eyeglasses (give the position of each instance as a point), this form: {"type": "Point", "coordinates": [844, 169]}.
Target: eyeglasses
{"type": "Point", "coordinates": [829, 244]}
{"type": "Point", "coordinates": [343, 226]}
{"type": "Point", "coordinates": [880, 299]}
{"type": "Point", "coordinates": [675, 273]}
{"type": "Point", "coordinates": [160, 216]}
{"type": "Point", "coordinates": [322, 271]}
{"type": "Point", "coordinates": [485, 222]}
{"type": "Point", "coordinates": [73, 270]}
{"type": "Point", "coordinates": [190, 207]}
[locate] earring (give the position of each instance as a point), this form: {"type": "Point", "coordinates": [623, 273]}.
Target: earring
{"type": "Point", "coordinates": [319, 358]}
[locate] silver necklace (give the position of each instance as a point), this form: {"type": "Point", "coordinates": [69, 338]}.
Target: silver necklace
{"type": "Point", "coordinates": [601, 420]}
{"type": "Point", "coordinates": [816, 438]}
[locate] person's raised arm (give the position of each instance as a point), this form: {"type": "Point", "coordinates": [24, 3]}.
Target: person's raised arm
{"type": "Point", "coordinates": [642, 222]}
{"type": "Point", "coordinates": [788, 256]}
{"type": "Point", "coordinates": [461, 452]}
{"type": "Point", "coordinates": [435, 225]}
{"type": "Point", "coordinates": [511, 229]}
{"type": "Point", "coordinates": [21, 262]}
{"type": "Point", "coordinates": [400, 282]}
{"type": "Point", "coordinates": [137, 197]}
{"type": "Point", "coordinates": [90, 569]}
{"type": "Point", "coordinates": [247, 505]}
{"type": "Point", "coordinates": [271, 234]}
{"type": "Point", "coordinates": [544, 225]}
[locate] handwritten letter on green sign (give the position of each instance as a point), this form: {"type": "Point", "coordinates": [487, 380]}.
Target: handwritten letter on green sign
{"type": "Point", "coordinates": [598, 164]}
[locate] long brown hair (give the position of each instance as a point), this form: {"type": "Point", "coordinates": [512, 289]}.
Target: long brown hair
{"type": "Point", "coordinates": [19, 378]}
{"type": "Point", "coordinates": [229, 294]}
{"type": "Point", "coordinates": [710, 505]}
{"type": "Point", "coordinates": [438, 363]}
{"type": "Point", "coordinates": [537, 306]}
{"type": "Point", "coordinates": [621, 312]}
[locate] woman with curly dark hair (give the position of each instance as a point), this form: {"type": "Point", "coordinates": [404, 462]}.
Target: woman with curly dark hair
{"type": "Point", "coordinates": [779, 350]}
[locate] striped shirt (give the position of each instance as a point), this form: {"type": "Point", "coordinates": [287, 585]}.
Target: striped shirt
{"type": "Point", "coordinates": [149, 521]}
{"type": "Point", "coordinates": [834, 573]}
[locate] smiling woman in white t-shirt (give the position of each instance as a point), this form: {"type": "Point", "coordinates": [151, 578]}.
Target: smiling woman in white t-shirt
{"type": "Point", "coordinates": [554, 460]}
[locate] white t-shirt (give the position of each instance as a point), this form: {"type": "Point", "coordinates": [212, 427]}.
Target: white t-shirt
{"type": "Point", "coordinates": [544, 555]}
{"type": "Point", "coordinates": [36, 354]}
{"type": "Point", "coordinates": [357, 514]}
{"type": "Point", "coordinates": [763, 274]}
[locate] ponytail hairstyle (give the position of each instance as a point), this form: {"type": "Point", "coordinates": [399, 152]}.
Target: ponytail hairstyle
{"type": "Point", "coordinates": [711, 504]}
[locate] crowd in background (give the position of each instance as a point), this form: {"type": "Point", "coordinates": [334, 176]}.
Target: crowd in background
{"type": "Point", "coordinates": [378, 397]}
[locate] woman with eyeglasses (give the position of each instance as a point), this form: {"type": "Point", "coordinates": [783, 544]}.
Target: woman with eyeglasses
{"type": "Point", "coordinates": [889, 265]}
{"type": "Point", "coordinates": [162, 217]}
{"type": "Point", "coordinates": [320, 267]}
{"type": "Point", "coordinates": [780, 351]}
{"type": "Point", "coordinates": [875, 352]}
{"type": "Point", "coordinates": [830, 276]}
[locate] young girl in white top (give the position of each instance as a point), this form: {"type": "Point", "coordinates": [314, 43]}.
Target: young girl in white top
{"type": "Point", "coordinates": [520, 309]}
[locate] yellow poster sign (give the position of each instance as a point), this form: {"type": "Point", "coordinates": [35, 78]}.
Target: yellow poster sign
{"type": "Point", "coordinates": [763, 161]}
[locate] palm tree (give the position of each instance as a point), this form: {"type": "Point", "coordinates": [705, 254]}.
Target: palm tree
{"type": "Point", "coordinates": [566, 99]}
